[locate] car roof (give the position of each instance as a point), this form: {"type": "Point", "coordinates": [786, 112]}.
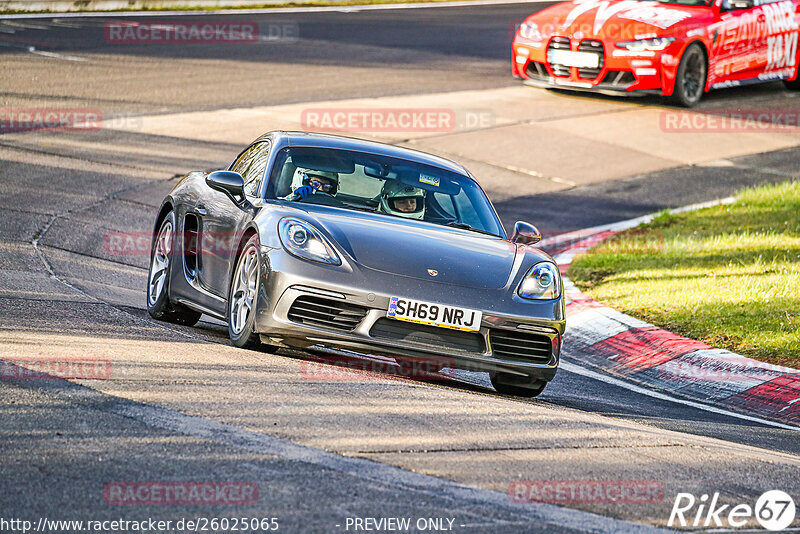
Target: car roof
{"type": "Point", "coordinates": [308, 139]}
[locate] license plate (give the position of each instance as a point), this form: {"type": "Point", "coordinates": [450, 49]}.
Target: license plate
{"type": "Point", "coordinates": [571, 58]}
{"type": "Point", "coordinates": [433, 314]}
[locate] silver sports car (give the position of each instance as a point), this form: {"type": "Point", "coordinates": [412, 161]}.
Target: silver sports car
{"type": "Point", "coordinates": [348, 246]}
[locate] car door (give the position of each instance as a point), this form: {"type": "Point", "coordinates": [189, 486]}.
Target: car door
{"type": "Point", "coordinates": [221, 219]}
{"type": "Point", "coordinates": [739, 42]}
{"type": "Point", "coordinates": [781, 32]}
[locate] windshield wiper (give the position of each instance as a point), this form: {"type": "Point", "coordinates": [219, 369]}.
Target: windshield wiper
{"type": "Point", "coordinates": [465, 226]}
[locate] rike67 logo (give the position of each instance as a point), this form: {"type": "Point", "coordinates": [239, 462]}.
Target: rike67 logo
{"type": "Point", "coordinates": [774, 510]}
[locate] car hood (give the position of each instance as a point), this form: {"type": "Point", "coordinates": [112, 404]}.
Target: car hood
{"type": "Point", "coordinates": [619, 20]}
{"type": "Point", "coordinates": [418, 250]}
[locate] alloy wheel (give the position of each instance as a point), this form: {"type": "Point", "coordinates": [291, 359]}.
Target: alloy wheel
{"type": "Point", "coordinates": [244, 290]}
{"type": "Point", "coordinates": [159, 266]}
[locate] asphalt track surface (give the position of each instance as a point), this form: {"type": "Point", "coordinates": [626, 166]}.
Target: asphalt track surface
{"type": "Point", "coordinates": [61, 443]}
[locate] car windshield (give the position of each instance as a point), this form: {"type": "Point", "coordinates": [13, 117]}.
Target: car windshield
{"type": "Point", "coordinates": [384, 185]}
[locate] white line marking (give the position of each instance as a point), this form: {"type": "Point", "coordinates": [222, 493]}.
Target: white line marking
{"type": "Point", "coordinates": [54, 55]}
{"type": "Point", "coordinates": [274, 10]}
{"type": "Point", "coordinates": [25, 26]}
{"type": "Point", "coordinates": [578, 370]}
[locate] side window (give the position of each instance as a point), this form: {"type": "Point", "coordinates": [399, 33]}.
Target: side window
{"type": "Point", "coordinates": [446, 202]}
{"type": "Point", "coordinates": [243, 162]}
{"type": "Point", "coordinates": [251, 164]}
{"type": "Point", "coordinates": [466, 210]}
{"type": "Point", "coordinates": [255, 172]}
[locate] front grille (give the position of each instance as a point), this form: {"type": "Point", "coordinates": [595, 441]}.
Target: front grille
{"type": "Point", "coordinates": [520, 346]}
{"type": "Point", "coordinates": [428, 335]}
{"type": "Point", "coordinates": [596, 47]}
{"type": "Point", "coordinates": [619, 78]}
{"type": "Point", "coordinates": [559, 43]}
{"type": "Point", "coordinates": [536, 71]}
{"type": "Point", "coordinates": [327, 313]}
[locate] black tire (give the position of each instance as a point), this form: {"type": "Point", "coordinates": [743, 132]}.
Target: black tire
{"type": "Point", "coordinates": [162, 258]}
{"type": "Point", "coordinates": [242, 330]}
{"type": "Point", "coordinates": [518, 386]}
{"type": "Point", "coordinates": [793, 85]}
{"type": "Point", "coordinates": [690, 82]}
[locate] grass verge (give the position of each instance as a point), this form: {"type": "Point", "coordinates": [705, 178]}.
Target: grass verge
{"type": "Point", "coordinates": [728, 275]}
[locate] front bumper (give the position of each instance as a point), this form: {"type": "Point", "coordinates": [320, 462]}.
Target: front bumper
{"type": "Point", "coordinates": [601, 88]}
{"type": "Point", "coordinates": [286, 279]}
{"type": "Point", "coordinates": [620, 72]}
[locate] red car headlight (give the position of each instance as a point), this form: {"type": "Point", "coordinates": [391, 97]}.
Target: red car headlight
{"type": "Point", "coordinates": [651, 45]}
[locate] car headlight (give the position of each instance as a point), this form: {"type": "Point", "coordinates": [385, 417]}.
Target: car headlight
{"type": "Point", "coordinates": [301, 239]}
{"type": "Point", "coordinates": [530, 31]}
{"type": "Point", "coordinates": [543, 282]}
{"type": "Point", "coordinates": [652, 45]}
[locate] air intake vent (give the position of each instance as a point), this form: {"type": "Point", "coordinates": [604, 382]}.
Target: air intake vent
{"type": "Point", "coordinates": [619, 78]}
{"type": "Point", "coordinates": [594, 47]}
{"type": "Point", "coordinates": [559, 43]}
{"type": "Point", "coordinates": [326, 313]}
{"type": "Point", "coordinates": [519, 346]}
{"type": "Point", "coordinates": [537, 71]}
{"type": "Point", "coordinates": [428, 335]}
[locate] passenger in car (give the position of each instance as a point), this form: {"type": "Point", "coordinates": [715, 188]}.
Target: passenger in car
{"type": "Point", "coordinates": [403, 200]}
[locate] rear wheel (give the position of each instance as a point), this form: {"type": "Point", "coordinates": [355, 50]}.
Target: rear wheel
{"type": "Point", "coordinates": [161, 261]}
{"type": "Point", "coordinates": [690, 83]}
{"type": "Point", "coordinates": [518, 386]}
{"type": "Point", "coordinates": [242, 297]}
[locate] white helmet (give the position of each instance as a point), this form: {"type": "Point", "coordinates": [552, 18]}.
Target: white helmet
{"type": "Point", "coordinates": [395, 196]}
{"type": "Point", "coordinates": [305, 176]}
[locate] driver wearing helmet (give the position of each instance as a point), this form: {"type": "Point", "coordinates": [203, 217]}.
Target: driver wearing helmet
{"type": "Point", "coordinates": [306, 182]}
{"type": "Point", "coordinates": [402, 200]}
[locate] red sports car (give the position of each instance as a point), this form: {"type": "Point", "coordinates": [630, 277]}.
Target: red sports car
{"type": "Point", "coordinates": [678, 48]}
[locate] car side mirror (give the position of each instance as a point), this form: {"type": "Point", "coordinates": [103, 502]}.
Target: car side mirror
{"type": "Point", "coordinates": [228, 182]}
{"type": "Point", "coordinates": [526, 234]}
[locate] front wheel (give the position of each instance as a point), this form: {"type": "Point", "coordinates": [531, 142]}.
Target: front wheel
{"type": "Point", "coordinates": [793, 85]}
{"type": "Point", "coordinates": [518, 386]}
{"type": "Point", "coordinates": [690, 83]}
{"type": "Point", "coordinates": [242, 297]}
{"type": "Point", "coordinates": [162, 255]}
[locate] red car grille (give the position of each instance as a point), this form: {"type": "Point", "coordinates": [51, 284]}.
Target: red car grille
{"type": "Point", "coordinates": [587, 45]}
{"type": "Point", "coordinates": [594, 47]}
{"type": "Point", "coordinates": [559, 43]}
